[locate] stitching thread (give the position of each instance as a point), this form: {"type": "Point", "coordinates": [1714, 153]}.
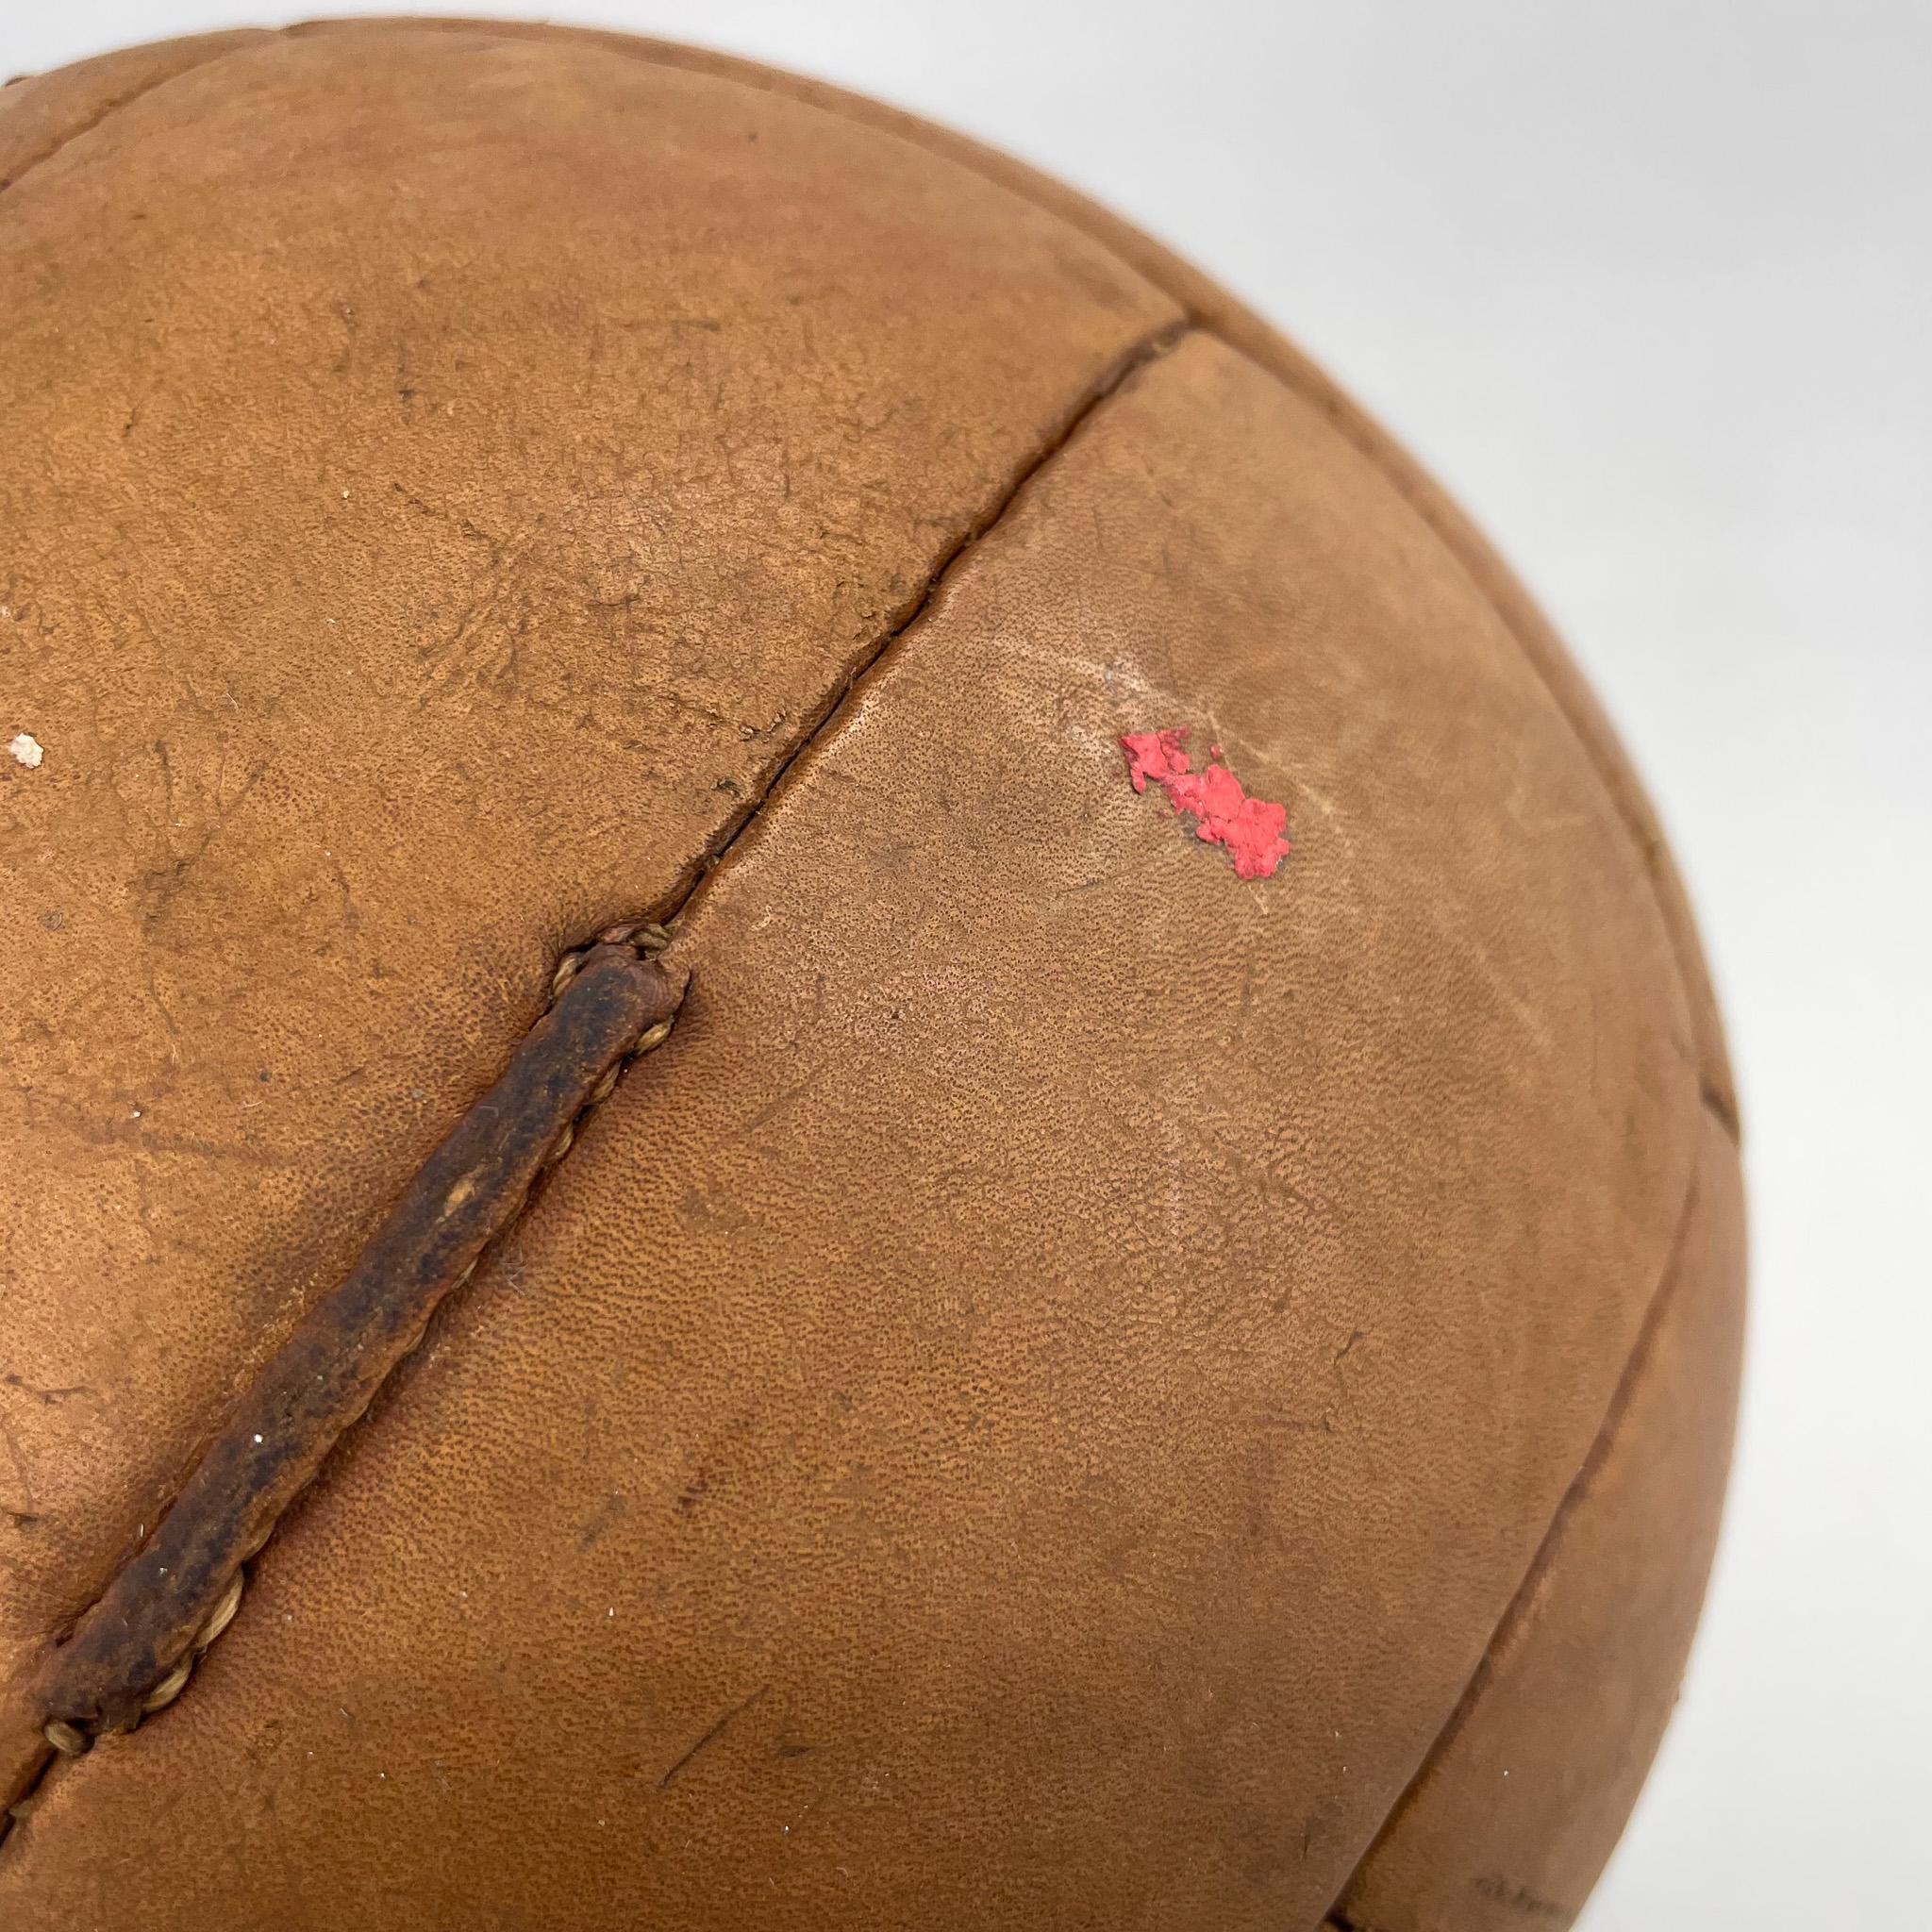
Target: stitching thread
{"type": "Point", "coordinates": [645, 939]}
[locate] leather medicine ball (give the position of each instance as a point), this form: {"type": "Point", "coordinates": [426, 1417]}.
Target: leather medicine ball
{"type": "Point", "coordinates": [844, 1088]}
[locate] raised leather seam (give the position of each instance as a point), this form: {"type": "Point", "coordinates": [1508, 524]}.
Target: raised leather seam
{"type": "Point", "coordinates": [132, 1653]}
{"type": "Point", "coordinates": [1549, 1547]}
{"type": "Point", "coordinates": [41, 1689]}
{"type": "Point", "coordinates": [65, 1741]}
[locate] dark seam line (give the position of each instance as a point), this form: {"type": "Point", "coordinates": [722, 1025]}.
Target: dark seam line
{"type": "Point", "coordinates": [136, 1646]}
{"type": "Point", "coordinates": [1550, 1546]}
{"type": "Point", "coordinates": [110, 109]}
{"type": "Point", "coordinates": [738, 72]}
{"type": "Point", "coordinates": [1721, 1111]}
{"type": "Point", "coordinates": [1149, 349]}
{"type": "Point", "coordinates": [909, 129]}
{"type": "Point", "coordinates": [459, 1204]}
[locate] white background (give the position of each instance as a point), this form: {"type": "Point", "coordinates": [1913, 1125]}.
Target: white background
{"type": "Point", "coordinates": [1650, 285]}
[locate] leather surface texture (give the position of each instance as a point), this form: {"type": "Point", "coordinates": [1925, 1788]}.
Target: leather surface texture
{"type": "Point", "coordinates": [1075, 1388]}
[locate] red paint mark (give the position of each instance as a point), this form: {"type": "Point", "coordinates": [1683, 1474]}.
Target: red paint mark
{"type": "Point", "coordinates": [1251, 828]}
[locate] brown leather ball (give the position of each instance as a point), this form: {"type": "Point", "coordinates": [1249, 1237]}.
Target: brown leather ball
{"type": "Point", "coordinates": [1032, 1074]}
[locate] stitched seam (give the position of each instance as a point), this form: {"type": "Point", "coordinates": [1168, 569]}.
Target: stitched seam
{"type": "Point", "coordinates": [64, 1738]}
{"type": "Point", "coordinates": [114, 104]}
{"type": "Point", "coordinates": [1550, 1546]}
{"type": "Point", "coordinates": [1150, 349]}
{"type": "Point", "coordinates": [828, 99]}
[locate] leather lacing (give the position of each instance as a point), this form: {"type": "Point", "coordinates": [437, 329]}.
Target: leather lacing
{"type": "Point", "coordinates": [610, 1001]}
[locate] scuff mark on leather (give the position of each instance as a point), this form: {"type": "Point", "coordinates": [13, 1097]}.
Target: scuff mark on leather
{"type": "Point", "coordinates": [612, 999]}
{"type": "Point", "coordinates": [717, 1730]}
